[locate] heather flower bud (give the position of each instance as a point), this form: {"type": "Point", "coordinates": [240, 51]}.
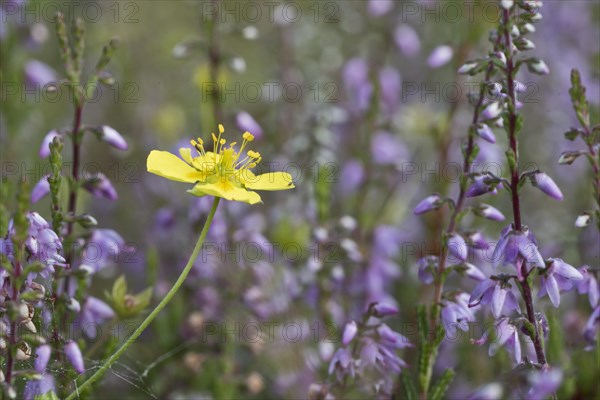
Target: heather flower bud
{"type": "Point", "coordinates": [490, 212]}
{"type": "Point", "coordinates": [100, 186]}
{"type": "Point", "coordinates": [568, 157]}
{"type": "Point", "coordinates": [492, 111]}
{"type": "Point", "coordinates": [479, 187]}
{"type": "Point", "coordinates": [486, 133]}
{"type": "Point", "coordinates": [112, 137]}
{"type": "Point", "coordinates": [468, 67]}
{"type": "Point", "coordinates": [457, 246]}
{"type": "Point", "coordinates": [537, 66]}
{"type": "Point", "coordinates": [23, 352]}
{"type": "Point", "coordinates": [546, 185]}
{"type": "Point", "coordinates": [583, 220]}
{"type": "Point", "coordinates": [74, 356]}
{"type": "Point", "coordinates": [42, 356]}
{"type": "Point", "coordinates": [429, 203]}
{"type": "Point", "coordinates": [440, 56]}
{"type": "Point", "coordinates": [40, 190]}
{"type": "Point", "coordinates": [381, 310]}
{"type": "Point", "coordinates": [524, 44]}
{"type": "Point", "coordinates": [86, 220]}
{"type": "Point", "coordinates": [349, 333]}
{"type": "Point", "coordinates": [73, 305]}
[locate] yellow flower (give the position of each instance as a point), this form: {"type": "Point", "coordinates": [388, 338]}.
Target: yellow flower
{"type": "Point", "coordinates": [224, 172]}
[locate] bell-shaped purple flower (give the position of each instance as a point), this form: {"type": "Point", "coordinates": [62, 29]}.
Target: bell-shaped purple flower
{"type": "Point", "coordinates": [514, 246]}
{"type": "Point", "coordinates": [94, 311]}
{"type": "Point", "coordinates": [457, 247]}
{"type": "Point", "coordinates": [558, 276]}
{"type": "Point", "coordinates": [391, 338]}
{"type": "Point", "coordinates": [102, 249]}
{"type": "Point", "coordinates": [457, 314]}
{"type": "Point", "coordinates": [479, 187]}
{"type": "Point", "coordinates": [381, 310]}
{"type": "Point", "coordinates": [546, 185]}
{"type": "Point", "coordinates": [378, 8]}
{"type": "Point", "coordinates": [496, 293]}
{"type": "Point", "coordinates": [42, 356]}
{"type": "Point", "coordinates": [100, 186]}
{"type": "Point", "coordinates": [426, 266]}
{"type": "Point", "coordinates": [544, 383]}
{"type": "Point", "coordinates": [589, 285]}
{"type": "Point", "coordinates": [429, 203]}
{"type": "Point", "coordinates": [506, 334]}
{"type": "Point", "coordinates": [40, 190]}
{"type": "Point", "coordinates": [42, 242]}
{"type": "Point", "coordinates": [113, 138]}
{"type": "Point", "coordinates": [473, 272]}
{"type": "Point", "coordinates": [478, 241]}
{"type": "Point", "coordinates": [350, 331]}
{"type": "Point", "coordinates": [246, 122]}
{"type": "Point", "coordinates": [74, 356]}
{"type": "Point", "coordinates": [486, 133]}
{"type": "Point", "coordinates": [45, 146]}
{"type": "Point", "coordinates": [342, 363]}
{"type": "Point", "coordinates": [440, 56]}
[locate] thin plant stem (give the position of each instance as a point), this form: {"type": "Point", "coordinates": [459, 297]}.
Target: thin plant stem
{"type": "Point", "coordinates": [100, 372]}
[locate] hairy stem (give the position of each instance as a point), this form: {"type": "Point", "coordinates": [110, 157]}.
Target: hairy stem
{"type": "Point", "coordinates": [514, 183]}
{"type": "Point", "coordinates": [100, 372]}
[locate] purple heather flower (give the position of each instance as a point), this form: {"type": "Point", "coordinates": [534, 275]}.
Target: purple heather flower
{"type": "Point", "coordinates": [351, 176]}
{"type": "Point", "coordinates": [42, 242]}
{"type": "Point", "coordinates": [478, 241]}
{"type": "Point", "coordinates": [457, 247]}
{"type": "Point", "coordinates": [589, 285]}
{"type": "Point", "coordinates": [492, 111]}
{"type": "Point", "coordinates": [342, 363]}
{"type": "Point", "coordinates": [457, 314]}
{"type": "Point", "coordinates": [357, 84]}
{"type": "Point", "coordinates": [429, 203]}
{"type": "Point", "coordinates": [40, 190]}
{"type": "Point", "coordinates": [112, 137]}
{"type": "Point", "coordinates": [391, 338]}
{"type": "Point", "coordinates": [38, 74]}
{"type": "Point", "coordinates": [479, 187]}
{"type": "Point", "coordinates": [102, 249]}
{"type": "Point", "coordinates": [350, 331]}
{"type": "Point", "coordinates": [94, 311]}
{"type": "Point", "coordinates": [544, 383]}
{"type": "Point", "coordinates": [407, 40]}
{"type": "Point", "coordinates": [377, 8]}
{"type": "Point", "coordinates": [425, 265]}
{"type": "Point", "coordinates": [558, 276]}
{"type": "Point", "coordinates": [381, 310]}
{"type": "Point", "coordinates": [100, 186]}
{"type": "Point", "coordinates": [74, 356]}
{"type": "Point", "coordinates": [45, 147]}
{"type": "Point", "coordinates": [514, 246]}
{"type": "Point", "coordinates": [42, 356]}
{"type": "Point", "coordinates": [546, 185]}
{"type": "Point", "coordinates": [388, 149]}
{"type": "Point", "coordinates": [496, 293]}
{"type": "Point", "coordinates": [506, 334]}
{"type": "Point", "coordinates": [440, 56]}
{"type": "Point", "coordinates": [486, 133]}
{"type": "Point", "coordinates": [380, 356]}
{"type": "Point", "coordinates": [390, 85]}
{"type": "Point", "coordinates": [38, 387]}
{"type": "Point", "coordinates": [246, 122]}
{"type": "Point", "coordinates": [489, 212]}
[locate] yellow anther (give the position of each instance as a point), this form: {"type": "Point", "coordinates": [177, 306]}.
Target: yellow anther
{"type": "Point", "coordinates": [193, 142]}
{"type": "Point", "coordinates": [248, 136]}
{"type": "Point", "coordinates": [221, 129]}
{"type": "Point", "coordinates": [200, 141]}
{"type": "Point", "coordinates": [222, 142]}
{"type": "Point", "coordinates": [214, 137]}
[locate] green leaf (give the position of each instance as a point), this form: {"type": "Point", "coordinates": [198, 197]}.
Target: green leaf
{"type": "Point", "coordinates": [410, 392]}
{"type": "Point", "coordinates": [50, 395]}
{"type": "Point", "coordinates": [580, 104]}
{"type": "Point", "coordinates": [438, 391]}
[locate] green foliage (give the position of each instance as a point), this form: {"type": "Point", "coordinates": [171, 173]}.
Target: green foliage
{"type": "Point", "coordinates": [438, 391]}
{"type": "Point", "coordinates": [128, 305]}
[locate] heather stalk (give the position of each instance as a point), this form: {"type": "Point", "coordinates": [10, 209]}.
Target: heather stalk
{"type": "Point", "coordinates": [514, 125]}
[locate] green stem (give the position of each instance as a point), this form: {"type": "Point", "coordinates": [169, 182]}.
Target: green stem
{"type": "Point", "coordinates": [98, 374]}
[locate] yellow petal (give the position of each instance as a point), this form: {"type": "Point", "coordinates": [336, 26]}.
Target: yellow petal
{"type": "Point", "coordinates": [170, 166]}
{"type": "Point", "coordinates": [226, 190]}
{"type": "Point", "coordinates": [186, 154]}
{"type": "Point", "coordinates": [269, 181]}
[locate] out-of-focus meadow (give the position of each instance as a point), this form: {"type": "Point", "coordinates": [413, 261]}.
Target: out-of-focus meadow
{"type": "Point", "coordinates": [361, 103]}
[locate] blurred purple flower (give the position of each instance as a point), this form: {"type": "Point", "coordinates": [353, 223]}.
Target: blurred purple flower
{"type": "Point", "coordinates": [544, 383]}
{"type": "Point", "coordinates": [164, 219]}
{"type": "Point", "coordinates": [38, 74]}
{"type": "Point", "coordinates": [351, 177]}
{"type": "Point", "coordinates": [342, 364]}
{"type": "Point", "coordinates": [478, 241]}
{"type": "Point", "coordinates": [113, 138]}
{"type": "Point", "coordinates": [42, 356]}
{"type": "Point", "coordinates": [486, 133]}
{"type": "Point", "coordinates": [506, 334]}
{"type": "Point", "coordinates": [492, 111]}
{"type": "Point", "coordinates": [94, 311]}
{"type": "Point", "coordinates": [558, 276]}
{"type": "Point", "coordinates": [36, 388]}
{"type": "Point", "coordinates": [473, 272]}
{"type": "Point", "coordinates": [246, 122]}
{"type": "Point", "coordinates": [102, 249]}
{"type": "Point", "coordinates": [45, 146]}
{"type": "Point", "coordinates": [74, 356]}
{"type": "Point", "coordinates": [100, 186]}
{"type": "Point", "coordinates": [546, 185]}
{"type": "Point", "coordinates": [357, 84]}
{"type": "Point", "coordinates": [390, 85]}
{"type": "Point", "coordinates": [407, 40]}
{"type": "Point", "coordinates": [391, 338]}
{"type": "Point", "coordinates": [457, 314]}
{"type": "Point", "coordinates": [350, 331]}
{"type": "Point", "coordinates": [388, 149]}
{"type": "Point", "coordinates": [377, 8]}
{"type": "Point", "coordinates": [381, 310]}
{"type": "Point", "coordinates": [496, 293]}
{"type": "Point", "coordinates": [589, 285]}
{"type": "Point", "coordinates": [440, 56]}
{"type": "Point", "coordinates": [40, 190]}
{"type": "Point", "coordinates": [425, 266]}
{"type": "Point", "coordinates": [591, 327]}
{"type": "Point", "coordinates": [491, 391]}
{"type": "Point", "coordinates": [429, 203]}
